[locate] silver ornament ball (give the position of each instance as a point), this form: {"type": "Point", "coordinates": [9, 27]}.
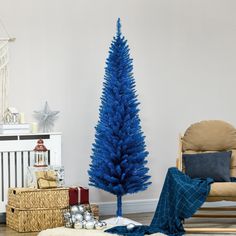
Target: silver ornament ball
{"type": "Point", "coordinates": [67, 215]}
{"type": "Point", "coordinates": [81, 209]}
{"type": "Point", "coordinates": [130, 226]}
{"type": "Point", "coordinates": [74, 209]}
{"type": "Point", "coordinates": [104, 223]}
{"type": "Point", "coordinates": [87, 213]}
{"type": "Point", "coordinates": [88, 217]}
{"type": "Point", "coordinates": [69, 223]}
{"type": "Point", "coordinates": [98, 225]}
{"type": "Point", "coordinates": [73, 219]}
{"type": "Point", "coordinates": [84, 222]}
{"type": "Point", "coordinates": [78, 217]}
{"type": "Point", "coordinates": [95, 221]}
{"type": "Point", "coordinates": [78, 225]}
{"type": "Point", "coordinates": [89, 225]}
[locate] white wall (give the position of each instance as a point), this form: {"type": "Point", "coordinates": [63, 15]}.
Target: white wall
{"type": "Point", "coordinates": [184, 62]}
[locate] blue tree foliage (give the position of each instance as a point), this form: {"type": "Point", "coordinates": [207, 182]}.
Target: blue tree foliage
{"type": "Point", "coordinates": [118, 155]}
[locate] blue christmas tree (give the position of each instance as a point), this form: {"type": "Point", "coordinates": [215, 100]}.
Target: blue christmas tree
{"type": "Point", "coordinates": [118, 158]}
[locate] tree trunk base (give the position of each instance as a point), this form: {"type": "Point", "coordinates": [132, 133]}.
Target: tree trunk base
{"type": "Point", "coordinates": [117, 221]}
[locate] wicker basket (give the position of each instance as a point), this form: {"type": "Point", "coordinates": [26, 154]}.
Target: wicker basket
{"type": "Point", "coordinates": [33, 220]}
{"type": "Point", "coordinates": [28, 198]}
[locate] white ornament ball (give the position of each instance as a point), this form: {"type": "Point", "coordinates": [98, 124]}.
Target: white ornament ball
{"type": "Point", "coordinates": [74, 209]}
{"type": "Point", "coordinates": [130, 226]}
{"type": "Point", "coordinates": [89, 225]}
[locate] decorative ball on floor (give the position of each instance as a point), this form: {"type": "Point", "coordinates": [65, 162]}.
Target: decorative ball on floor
{"type": "Point", "coordinates": [130, 226]}
{"type": "Point", "coordinates": [79, 218]}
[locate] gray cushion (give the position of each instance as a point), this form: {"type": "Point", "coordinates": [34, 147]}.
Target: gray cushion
{"type": "Point", "coordinates": [215, 165]}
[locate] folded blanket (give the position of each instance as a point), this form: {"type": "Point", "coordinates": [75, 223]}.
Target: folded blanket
{"type": "Point", "coordinates": [180, 198]}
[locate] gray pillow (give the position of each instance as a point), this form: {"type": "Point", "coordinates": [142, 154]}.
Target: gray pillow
{"type": "Point", "coordinates": [215, 165]}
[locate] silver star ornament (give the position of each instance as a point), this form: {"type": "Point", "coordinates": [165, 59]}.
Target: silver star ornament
{"type": "Point", "coordinates": [46, 118]}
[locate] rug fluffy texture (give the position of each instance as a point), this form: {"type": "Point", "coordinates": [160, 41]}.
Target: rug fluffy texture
{"type": "Point", "coordinates": [62, 231]}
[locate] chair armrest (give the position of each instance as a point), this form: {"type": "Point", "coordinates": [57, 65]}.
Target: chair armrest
{"type": "Point", "coordinates": [178, 163]}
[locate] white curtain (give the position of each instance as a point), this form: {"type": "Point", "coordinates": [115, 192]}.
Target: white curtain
{"type": "Point", "coordinates": [4, 74]}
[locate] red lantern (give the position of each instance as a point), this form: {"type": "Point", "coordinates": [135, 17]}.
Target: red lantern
{"type": "Point", "coordinates": [40, 154]}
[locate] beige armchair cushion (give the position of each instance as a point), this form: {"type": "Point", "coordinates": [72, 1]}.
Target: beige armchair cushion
{"type": "Point", "coordinates": [222, 191]}
{"type": "Point", "coordinates": [213, 135]}
{"type": "Point", "coordinates": [219, 189]}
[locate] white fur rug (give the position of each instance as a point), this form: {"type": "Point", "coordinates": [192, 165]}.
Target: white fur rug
{"type": "Point", "coordinates": [62, 231]}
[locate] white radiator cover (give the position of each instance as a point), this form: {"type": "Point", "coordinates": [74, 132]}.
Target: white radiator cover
{"type": "Point", "coordinates": [16, 154]}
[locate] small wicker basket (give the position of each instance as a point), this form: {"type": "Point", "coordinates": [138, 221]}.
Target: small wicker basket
{"type": "Point", "coordinates": [27, 198]}
{"type": "Point", "coordinates": [33, 220]}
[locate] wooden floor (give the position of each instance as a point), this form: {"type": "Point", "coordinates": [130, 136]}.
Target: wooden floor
{"type": "Point", "coordinates": [143, 218]}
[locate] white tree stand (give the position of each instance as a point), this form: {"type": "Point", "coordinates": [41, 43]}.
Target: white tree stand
{"type": "Point", "coordinates": [120, 221]}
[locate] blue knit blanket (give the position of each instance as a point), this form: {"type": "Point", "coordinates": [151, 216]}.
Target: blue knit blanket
{"type": "Point", "coordinates": [180, 198]}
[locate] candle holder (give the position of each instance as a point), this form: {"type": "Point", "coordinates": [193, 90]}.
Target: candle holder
{"type": "Point", "coordinates": [40, 154]}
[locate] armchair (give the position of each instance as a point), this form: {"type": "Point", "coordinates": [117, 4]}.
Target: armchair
{"type": "Point", "coordinates": [212, 136]}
